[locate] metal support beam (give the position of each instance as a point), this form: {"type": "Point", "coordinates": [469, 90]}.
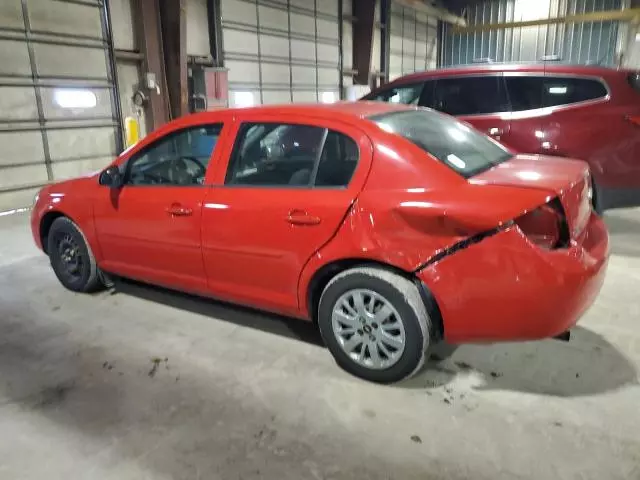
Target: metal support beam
{"type": "Point", "coordinates": [146, 19]}
{"type": "Point", "coordinates": [174, 45]}
{"type": "Point", "coordinates": [630, 14]}
{"type": "Point", "coordinates": [365, 12]}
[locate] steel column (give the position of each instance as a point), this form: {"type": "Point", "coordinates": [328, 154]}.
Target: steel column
{"type": "Point", "coordinates": [364, 11]}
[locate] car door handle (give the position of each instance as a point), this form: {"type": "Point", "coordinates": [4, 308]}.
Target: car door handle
{"type": "Point", "coordinates": [177, 210]}
{"type": "Point", "coordinates": [298, 217]}
{"type": "Point", "coordinates": [495, 131]}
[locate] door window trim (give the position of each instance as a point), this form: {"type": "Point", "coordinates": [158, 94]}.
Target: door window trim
{"type": "Point", "coordinates": [125, 168]}
{"type": "Point", "coordinates": [246, 124]}
{"type": "Point", "coordinates": [554, 108]}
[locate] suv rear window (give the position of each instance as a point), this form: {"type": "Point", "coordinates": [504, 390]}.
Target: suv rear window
{"type": "Point", "coordinates": [460, 147]}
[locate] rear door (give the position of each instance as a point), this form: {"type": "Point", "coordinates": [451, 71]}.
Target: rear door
{"type": "Point", "coordinates": [284, 193]}
{"type": "Point", "coordinates": [480, 100]}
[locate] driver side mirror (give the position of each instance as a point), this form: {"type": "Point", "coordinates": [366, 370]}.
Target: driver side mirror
{"type": "Point", "coordinates": [111, 177]}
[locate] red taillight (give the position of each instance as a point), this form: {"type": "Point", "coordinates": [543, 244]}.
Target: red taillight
{"type": "Point", "coordinates": [545, 226]}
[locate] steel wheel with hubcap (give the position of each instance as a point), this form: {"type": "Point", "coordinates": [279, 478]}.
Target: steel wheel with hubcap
{"type": "Point", "coordinates": [71, 257]}
{"type": "Point", "coordinates": [374, 323]}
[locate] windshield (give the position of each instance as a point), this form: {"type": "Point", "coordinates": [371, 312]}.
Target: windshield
{"type": "Point", "coordinates": [455, 144]}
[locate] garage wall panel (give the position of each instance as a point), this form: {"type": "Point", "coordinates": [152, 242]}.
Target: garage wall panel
{"type": "Point", "coordinates": [122, 24]}
{"type": "Point", "coordinates": [293, 44]}
{"type": "Point", "coordinates": [25, 146]}
{"type": "Point", "coordinates": [15, 58]}
{"type": "Point", "coordinates": [197, 28]}
{"type": "Point", "coordinates": [65, 18]}
{"type": "Point", "coordinates": [65, 170]}
{"type": "Point", "coordinates": [413, 42]}
{"type": "Point", "coordinates": [65, 61]}
{"type": "Point", "coordinates": [18, 103]}
{"type": "Point", "coordinates": [65, 144]}
{"type": "Point", "coordinates": [55, 80]}
{"type": "Point", "coordinates": [11, 14]}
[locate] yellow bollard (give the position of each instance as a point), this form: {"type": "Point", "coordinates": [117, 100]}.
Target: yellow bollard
{"type": "Point", "coordinates": [132, 130]}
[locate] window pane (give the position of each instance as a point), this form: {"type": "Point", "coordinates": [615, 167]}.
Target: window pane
{"type": "Point", "coordinates": [338, 161]}
{"type": "Point", "coordinates": [458, 146]}
{"type": "Point", "coordinates": [471, 95]}
{"type": "Point", "coordinates": [564, 91]}
{"type": "Point", "coordinates": [406, 94]}
{"type": "Point", "coordinates": [180, 158]}
{"type": "Point", "coordinates": [525, 93]}
{"type": "Point", "coordinates": [270, 154]}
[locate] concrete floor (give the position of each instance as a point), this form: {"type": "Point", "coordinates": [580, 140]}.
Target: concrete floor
{"type": "Point", "coordinates": [148, 384]}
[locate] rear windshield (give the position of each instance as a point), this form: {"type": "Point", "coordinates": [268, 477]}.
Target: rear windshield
{"type": "Point", "coordinates": [455, 144]}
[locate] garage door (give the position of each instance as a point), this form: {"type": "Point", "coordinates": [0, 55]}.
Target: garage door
{"type": "Point", "coordinates": [56, 95]}
{"type": "Point", "coordinates": [413, 43]}
{"type": "Point", "coordinates": [279, 51]}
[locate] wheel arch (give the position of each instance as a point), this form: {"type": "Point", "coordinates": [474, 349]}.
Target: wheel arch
{"type": "Point", "coordinates": [324, 274]}
{"type": "Point", "coordinates": [45, 226]}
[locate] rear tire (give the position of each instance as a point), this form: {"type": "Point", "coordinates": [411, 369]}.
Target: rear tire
{"type": "Point", "coordinates": [71, 257]}
{"type": "Point", "coordinates": [375, 324]}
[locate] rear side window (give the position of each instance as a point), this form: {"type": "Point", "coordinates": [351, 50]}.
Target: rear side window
{"type": "Point", "coordinates": [291, 155]}
{"type": "Point", "coordinates": [525, 92]}
{"type": "Point", "coordinates": [567, 90]}
{"type": "Point", "coordinates": [458, 146]}
{"type": "Point", "coordinates": [471, 95]}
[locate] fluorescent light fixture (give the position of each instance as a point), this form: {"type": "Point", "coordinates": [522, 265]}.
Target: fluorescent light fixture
{"type": "Point", "coordinates": [243, 99]}
{"type": "Point", "coordinates": [637, 37]}
{"type": "Point", "coordinates": [75, 98]}
{"type": "Point", "coordinates": [328, 97]}
{"type": "Point", "coordinates": [558, 90]}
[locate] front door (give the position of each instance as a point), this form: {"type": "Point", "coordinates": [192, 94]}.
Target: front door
{"type": "Point", "coordinates": [149, 228]}
{"type": "Point", "coordinates": [284, 195]}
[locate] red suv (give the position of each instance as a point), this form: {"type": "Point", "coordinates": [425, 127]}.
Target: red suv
{"type": "Point", "coordinates": [585, 112]}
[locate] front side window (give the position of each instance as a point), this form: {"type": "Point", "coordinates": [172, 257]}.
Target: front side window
{"type": "Point", "coordinates": [291, 155]}
{"type": "Point", "coordinates": [180, 158]}
{"type": "Point", "coordinates": [471, 95]}
{"type": "Point", "coordinates": [567, 90]}
{"type": "Point", "coordinates": [458, 146]}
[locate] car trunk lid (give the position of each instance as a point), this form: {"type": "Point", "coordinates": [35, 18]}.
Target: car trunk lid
{"type": "Point", "coordinates": [566, 179]}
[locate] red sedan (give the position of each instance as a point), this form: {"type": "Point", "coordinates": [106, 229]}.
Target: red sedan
{"type": "Point", "coordinates": [389, 226]}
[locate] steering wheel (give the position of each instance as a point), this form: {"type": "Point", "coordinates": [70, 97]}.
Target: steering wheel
{"type": "Point", "coordinates": [180, 173]}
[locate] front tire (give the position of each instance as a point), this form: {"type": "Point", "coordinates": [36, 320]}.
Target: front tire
{"type": "Point", "coordinates": [71, 257]}
{"type": "Point", "coordinates": [375, 324]}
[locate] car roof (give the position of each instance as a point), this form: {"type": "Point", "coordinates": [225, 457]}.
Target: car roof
{"type": "Point", "coordinates": [485, 68]}
{"type": "Point", "coordinates": [343, 109]}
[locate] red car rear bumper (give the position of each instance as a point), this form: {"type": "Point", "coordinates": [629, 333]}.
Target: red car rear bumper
{"type": "Point", "coordinates": [505, 288]}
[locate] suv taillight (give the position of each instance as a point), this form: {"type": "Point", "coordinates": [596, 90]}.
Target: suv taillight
{"type": "Point", "coordinates": [546, 226]}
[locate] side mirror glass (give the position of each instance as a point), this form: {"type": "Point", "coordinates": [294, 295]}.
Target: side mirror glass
{"type": "Point", "coordinates": [111, 177]}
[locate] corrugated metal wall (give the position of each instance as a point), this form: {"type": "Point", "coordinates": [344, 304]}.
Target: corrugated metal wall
{"type": "Point", "coordinates": [573, 43]}
{"type": "Point", "coordinates": [413, 45]}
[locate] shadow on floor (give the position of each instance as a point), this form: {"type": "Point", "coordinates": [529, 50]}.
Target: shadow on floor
{"type": "Point", "coordinates": [586, 365]}
{"type": "Point", "coordinates": [266, 322]}
{"type": "Point", "coordinates": [624, 231]}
